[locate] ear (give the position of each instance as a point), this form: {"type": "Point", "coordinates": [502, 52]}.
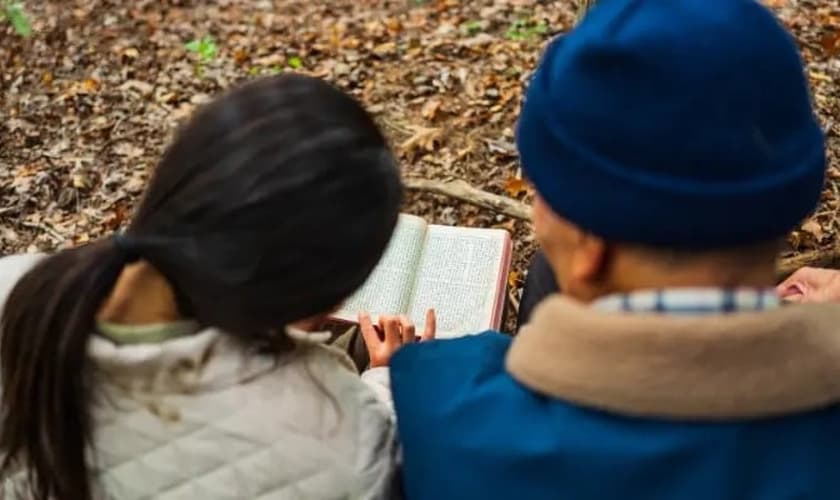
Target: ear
{"type": "Point", "coordinates": [590, 258]}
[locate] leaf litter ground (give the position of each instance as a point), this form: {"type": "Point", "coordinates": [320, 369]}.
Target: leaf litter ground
{"type": "Point", "coordinates": [90, 99]}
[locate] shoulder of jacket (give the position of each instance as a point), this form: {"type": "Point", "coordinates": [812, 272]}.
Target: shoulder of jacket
{"type": "Point", "coordinates": [12, 269]}
{"type": "Point", "coordinates": [435, 381]}
{"type": "Point", "coordinates": [12, 266]}
{"type": "Point", "coordinates": [327, 355]}
{"type": "Point", "coordinates": [488, 347]}
{"type": "Point", "coordinates": [369, 452]}
{"type": "Point", "coordinates": [332, 372]}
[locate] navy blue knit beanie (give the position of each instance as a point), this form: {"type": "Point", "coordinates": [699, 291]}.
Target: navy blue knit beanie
{"type": "Point", "coordinates": [674, 123]}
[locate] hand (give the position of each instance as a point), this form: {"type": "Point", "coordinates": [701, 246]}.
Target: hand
{"type": "Point", "coordinates": [393, 332]}
{"type": "Point", "coordinates": [811, 284]}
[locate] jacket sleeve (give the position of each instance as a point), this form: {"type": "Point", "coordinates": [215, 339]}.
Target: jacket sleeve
{"type": "Point", "coordinates": [379, 380]}
{"type": "Point", "coordinates": [379, 450]}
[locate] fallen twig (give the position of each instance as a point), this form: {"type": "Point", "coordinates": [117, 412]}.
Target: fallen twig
{"type": "Point", "coordinates": [461, 190]}
{"type": "Point", "coordinates": [814, 258]}
{"type": "Point", "coordinates": [513, 299]}
{"type": "Point", "coordinates": [49, 231]}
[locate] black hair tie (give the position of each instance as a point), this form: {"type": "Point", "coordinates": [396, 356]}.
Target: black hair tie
{"type": "Point", "coordinates": [126, 245]}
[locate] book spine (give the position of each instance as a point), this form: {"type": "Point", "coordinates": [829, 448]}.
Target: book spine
{"type": "Point", "coordinates": [501, 293]}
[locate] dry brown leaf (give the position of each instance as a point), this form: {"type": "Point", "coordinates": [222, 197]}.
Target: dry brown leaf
{"type": "Point", "coordinates": [350, 43]}
{"type": "Point", "coordinates": [513, 279]}
{"type": "Point", "coordinates": [141, 87]}
{"type": "Point", "coordinates": [128, 150]}
{"type": "Point", "coordinates": [335, 36]}
{"type": "Point", "coordinates": [80, 181]}
{"type": "Point", "coordinates": [425, 138]}
{"type": "Point", "coordinates": [516, 187]}
{"type": "Point", "coordinates": [275, 59]}
{"type": "Point", "coordinates": [385, 48]}
{"type": "Point", "coordinates": [831, 43]}
{"type": "Point", "coordinates": [116, 218]}
{"type": "Point", "coordinates": [430, 109]}
{"type": "Point", "coordinates": [240, 56]}
{"type": "Point", "coordinates": [813, 228]}
{"type": "Point", "coordinates": [90, 85]}
{"type": "Point", "coordinates": [183, 111]}
{"type": "Point", "coordinates": [817, 75]}
{"type": "Point", "coordinates": [509, 226]}
{"type": "Point", "coordinates": [199, 98]}
{"type": "Point", "coordinates": [393, 25]}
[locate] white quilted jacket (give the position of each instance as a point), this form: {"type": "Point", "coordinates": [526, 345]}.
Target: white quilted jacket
{"type": "Point", "coordinates": [202, 417]}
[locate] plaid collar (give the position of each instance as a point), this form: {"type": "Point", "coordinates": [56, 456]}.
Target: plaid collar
{"type": "Point", "coordinates": [691, 301]}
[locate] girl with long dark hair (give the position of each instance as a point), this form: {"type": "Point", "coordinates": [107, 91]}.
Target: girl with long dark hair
{"type": "Point", "coordinates": [169, 360]}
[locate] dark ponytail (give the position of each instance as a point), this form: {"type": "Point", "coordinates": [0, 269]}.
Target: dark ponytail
{"type": "Point", "coordinates": [46, 324]}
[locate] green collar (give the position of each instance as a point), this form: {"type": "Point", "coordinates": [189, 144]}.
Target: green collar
{"type": "Point", "coordinates": [152, 333]}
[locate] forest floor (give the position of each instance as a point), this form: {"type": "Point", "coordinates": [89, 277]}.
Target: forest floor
{"type": "Point", "coordinates": [88, 102]}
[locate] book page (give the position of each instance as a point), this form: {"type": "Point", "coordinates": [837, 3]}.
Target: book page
{"type": "Point", "coordinates": [388, 289]}
{"type": "Point", "coordinates": [459, 277]}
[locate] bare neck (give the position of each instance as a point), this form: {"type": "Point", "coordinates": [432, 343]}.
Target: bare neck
{"type": "Point", "coordinates": [695, 277]}
{"type": "Point", "coordinates": [141, 296]}
{"type": "Point", "coordinates": [626, 275]}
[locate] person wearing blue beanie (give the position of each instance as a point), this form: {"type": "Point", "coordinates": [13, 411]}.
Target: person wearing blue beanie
{"type": "Point", "coordinates": [684, 124]}
{"type": "Point", "coordinates": [672, 145]}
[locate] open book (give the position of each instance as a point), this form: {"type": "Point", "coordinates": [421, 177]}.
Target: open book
{"type": "Point", "coordinates": [459, 272]}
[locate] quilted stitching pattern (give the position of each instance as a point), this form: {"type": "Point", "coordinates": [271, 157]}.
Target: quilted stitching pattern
{"type": "Point", "coordinates": [277, 437]}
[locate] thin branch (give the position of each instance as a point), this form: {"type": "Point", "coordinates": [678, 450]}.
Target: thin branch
{"type": "Point", "coordinates": [814, 258]}
{"type": "Point", "coordinates": [461, 190]}
{"type": "Point", "coordinates": [46, 229]}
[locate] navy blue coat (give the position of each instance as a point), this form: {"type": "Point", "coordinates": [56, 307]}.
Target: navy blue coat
{"type": "Point", "coordinates": [471, 431]}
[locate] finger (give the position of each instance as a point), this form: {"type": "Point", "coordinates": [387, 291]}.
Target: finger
{"type": "Point", "coordinates": [391, 327]}
{"type": "Point", "coordinates": [369, 333]}
{"type": "Point", "coordinates": [431, 326]}
{"type": "Point", "coordinates": [406, 329]}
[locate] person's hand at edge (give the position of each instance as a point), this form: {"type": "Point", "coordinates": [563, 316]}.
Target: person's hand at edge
{"type": "Point", "coordinates": [383, 340]}
{"type": "Point", "coordinates": [810, 284]}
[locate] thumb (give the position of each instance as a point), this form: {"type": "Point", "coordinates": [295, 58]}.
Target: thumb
{"type": "Point", "coordinates": [369, 334]}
